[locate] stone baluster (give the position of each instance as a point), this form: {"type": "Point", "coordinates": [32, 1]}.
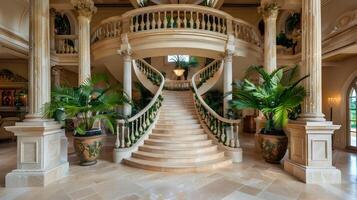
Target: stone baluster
{"type": "Point", "coordinates": [191, 20]}
{"type": "Point", "coordinates": [122, 145]}
{"type": "Point", "coordinates": [165, 20]}
{"type": "Point", "coordinates": [117, 141]}
{"type": "Point", "coordinates": [142, 23]}
{"type": "Point", "coordinates": [148, 22]}
{"type": "Point", "coordinates": [198, 24]}
{"type": "Point", "coordinates": [184, 19]}
{"type": "Point", "coordinates": [178, 21]}
{"type": "Point", "coordinates": [159, 21]}
{"type": "Point", "coordinates": [203, 24]}
{"type": "Point", "coordinates": [172, 19]}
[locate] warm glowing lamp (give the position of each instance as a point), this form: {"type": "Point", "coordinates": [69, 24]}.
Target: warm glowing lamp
{"type": "Point", "coordinates": [332, 101]}
{"type": "Point", "coordinates": [179, 72]}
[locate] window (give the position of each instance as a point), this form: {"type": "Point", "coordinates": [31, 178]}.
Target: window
{"type": "Point", "coordinates": [352, 113]}
{"type": "Point", "coordinates": [178, 58]}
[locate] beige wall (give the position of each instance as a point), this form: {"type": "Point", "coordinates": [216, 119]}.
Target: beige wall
{"type": "Point", "coordinates": [336, 78]}
{"type": "Point", "coordinates": [17, 66]}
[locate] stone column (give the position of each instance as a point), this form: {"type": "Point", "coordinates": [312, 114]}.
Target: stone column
{"type": "Point", "coordinates": [41, 143]}
{"type": "Point", "coordinates": [126, 52]}
{"type": "Point", "coordinates": [52, 30]}
{"type": "Point", "coordinates": [85, 9]}
{"type": "Point", "coordinates": [228, 72]}
{"type": "Point", "coordinates": [227, 81]}
{"type": "Point", "coordinates": [269, 12]}
{"type": "Point", "coordinates": [310, 137]}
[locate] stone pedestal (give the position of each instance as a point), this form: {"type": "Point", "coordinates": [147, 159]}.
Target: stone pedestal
{"type": "Point", "coordinates": [310, 152]}
{"type": "Point", "coordinates": [41, 154]}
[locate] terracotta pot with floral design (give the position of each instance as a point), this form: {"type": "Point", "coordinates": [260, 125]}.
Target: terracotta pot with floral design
{"type": "Point", "coordinates": [88, 147]}
{"type": "Point", "coordinates": [273, 147]}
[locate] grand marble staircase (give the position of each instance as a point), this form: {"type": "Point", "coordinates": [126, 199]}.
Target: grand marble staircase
{"type": "Point", "coordinates": [178, 143]}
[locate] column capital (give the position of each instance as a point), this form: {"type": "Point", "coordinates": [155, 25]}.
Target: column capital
{"type": "Point", "coordinates": [84, 8]}
{"type": "Point", "coordinates": [125, 48]}
{"type": "Point", "coordinates": [231, 47]}
{"type": "Point", "coordinates": [269, 10]}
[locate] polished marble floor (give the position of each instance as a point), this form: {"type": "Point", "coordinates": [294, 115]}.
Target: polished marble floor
{"type": "Point", "coordinates": [253, 179]}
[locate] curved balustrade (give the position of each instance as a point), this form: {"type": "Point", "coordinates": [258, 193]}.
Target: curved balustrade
{"type": "Point", "coordinates": [109, 28]}
{"type": "Point", "coordinates": [177, 85]}
{"type": "Point", "coordinates": [179, 17]}
{"type": "Point", "coordinates": [129, 131]}
{"type": "Point", "coordinates": [66, 44]}
{"type": "Point", "coordinates": [225, 130]}
{"type": "Point", "coordinates": [246, 32]}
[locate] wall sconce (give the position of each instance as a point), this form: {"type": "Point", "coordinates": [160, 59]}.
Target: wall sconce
{"type": "Point", "coordinates": [332, 101]}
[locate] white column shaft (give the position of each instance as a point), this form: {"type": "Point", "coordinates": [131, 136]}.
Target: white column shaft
{"type": "Point", "coordinates": [39, 63]}
{"type": "Point", "coordinates": [270, 44]}
{"type": "Point", "coordinates": [311, 59]}
{"type": "Point", "coordinates": [127, 82]}
{"type": "Point", "coordinates": [228, 80]}
{"type": "Point", "coordinates": [84, 48]}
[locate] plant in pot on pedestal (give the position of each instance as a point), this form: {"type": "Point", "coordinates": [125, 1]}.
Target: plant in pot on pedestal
{"type": "Point", "coordinates": [278, 94]}
{"type": "Point", "coordinates": [95, 100]}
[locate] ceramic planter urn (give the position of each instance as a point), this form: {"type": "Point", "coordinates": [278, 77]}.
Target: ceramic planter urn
{"type": "Point", "coordinates": [273, 147]}
{"type": "Point", "coordinates": [88, 148]}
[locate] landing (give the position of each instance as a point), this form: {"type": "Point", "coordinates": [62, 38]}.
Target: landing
{"type": "Point", "coordinates": [253, 179]}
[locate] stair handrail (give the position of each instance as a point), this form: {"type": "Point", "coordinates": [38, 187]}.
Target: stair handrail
{"type": "Point", "coordinates": [215, 123]}
{"type": "Point", "coordinates": [129, 131]}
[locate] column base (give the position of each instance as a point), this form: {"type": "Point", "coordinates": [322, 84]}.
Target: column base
{"type": "Point", "coordinates": [313, 175]}
{"type": "Point", "coordinates": [35, 178]}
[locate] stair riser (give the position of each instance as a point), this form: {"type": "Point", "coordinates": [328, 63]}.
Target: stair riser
{"type": "Point", "coordinates": [179, 132]}
{"type": "Point", "coordinates": [187, 126]}
{"type": "Point", "coordinates": [188, 117]}
{"type": "Point", "coordinates": [177, 122]}
{"type": "Point", "coordinates": [177, 160]}
{"type": "Point", "coordinates": [180, 137]}
{"type": "Point", "coordinates": [178, 169]}
{"type": "Point", "coordinates": [179, 152]}
{"type": "Point", "coordinates": [186, 145]}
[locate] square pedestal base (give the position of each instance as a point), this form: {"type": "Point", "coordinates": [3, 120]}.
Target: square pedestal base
{"type": "Point", "coordinates": [313, 175]}
{"type": "Point", "coordinates": [33, 178]}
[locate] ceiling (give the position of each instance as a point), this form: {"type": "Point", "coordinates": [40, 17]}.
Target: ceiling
{"type": "Point", "coordinates": [127, 2]}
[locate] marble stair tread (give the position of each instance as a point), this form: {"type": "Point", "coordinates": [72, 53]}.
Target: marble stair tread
{"type": "Point", "coordinates": [178, 167]}
{"type": "Point", "coordinates": [179, 137]}
{"type": "Point", "coordinates": [178, 117]}
{"type": "Point", "coordinates": [177, 143]}
{"type": "Point", "coordinates": [177, 158]}
{"type": "Point", "coordinates": [178, 131]}
{"type": "Point", "coordinates": [174, 126]}
{"type": "Point", "coordinates": [177, 150]}
{"type": "Point", "coordinates": [178, 121]}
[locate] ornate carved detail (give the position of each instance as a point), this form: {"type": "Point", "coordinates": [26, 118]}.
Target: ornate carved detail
{"type": "Point", "coordinates": [230, 48]}
{"type": "Point", "coordinates": [269, 10]}
{"type": "Point", "coordinates": [343, 22]}
{"type": "Point", "coordinates": [8, 76]}
{"type": "Point", "coordinates": [125, 48]}
{"type": "Point", "coordinates": [84, 7]}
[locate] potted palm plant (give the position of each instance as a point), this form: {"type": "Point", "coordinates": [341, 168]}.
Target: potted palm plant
{"type": "Point", "coordinates": [278, 94]}
{"type": "Point", "coordinates": [95, 100]}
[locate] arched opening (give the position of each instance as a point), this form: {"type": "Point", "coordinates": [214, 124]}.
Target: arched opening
{"type": "Point", "coordinates": [351, 117]}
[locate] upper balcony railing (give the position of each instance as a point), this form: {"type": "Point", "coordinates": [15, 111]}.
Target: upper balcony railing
{"type": "Point", "coordinates": [176, 17]}
{"type": "Point", "coordinates": [66, 44]}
